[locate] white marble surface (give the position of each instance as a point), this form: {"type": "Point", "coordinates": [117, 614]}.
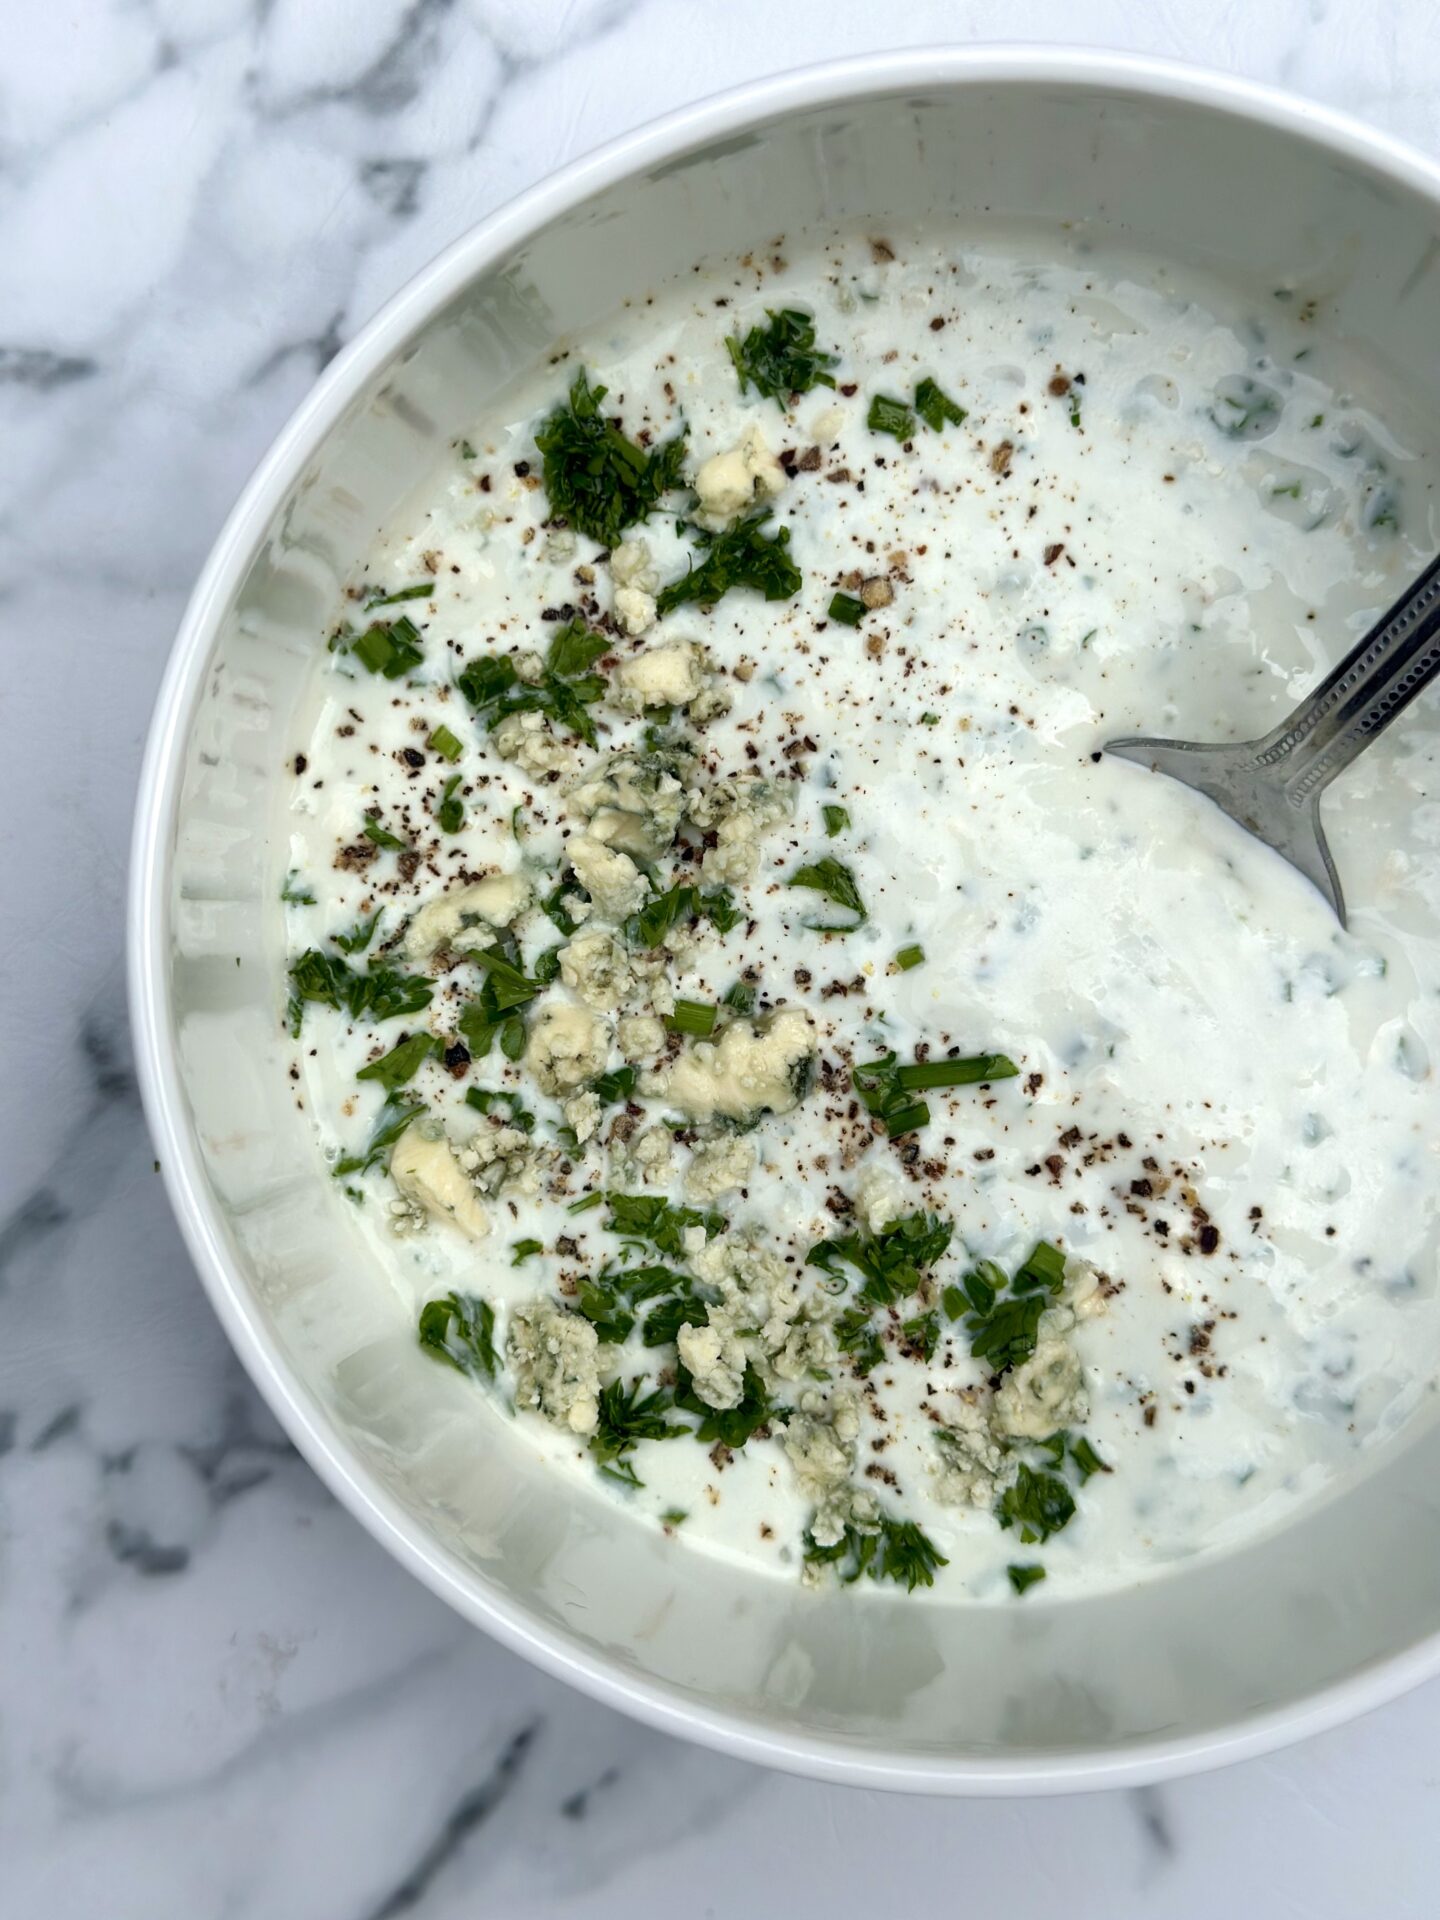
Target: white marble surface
{"type": "Point", "coordinates": [217, 1697]}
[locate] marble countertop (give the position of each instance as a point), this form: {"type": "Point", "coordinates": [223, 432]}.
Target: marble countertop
{"type": "Point", "coordinates": [217, 1695]}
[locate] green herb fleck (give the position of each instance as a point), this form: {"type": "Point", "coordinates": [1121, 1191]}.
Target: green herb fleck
{"type": "Point", "coordinates": [565, 691]}
{"type": "Point", "coordinates": [460, 1328]}
{"type": "Point", "coordinates": [360, 935]}
{"type": "Point", "coordinates": [389, 648]}
{"type": "Point", "coordinates": [646, 1217]}
{"type": "Point", "coordinates": [1038, 1504]}
{"type": "Point", "coordinates": [402, 1062]}
{"type": "Point", "coordinates": [740, 556]}
{"type": "Point", "coordinates": [892, 1260]}
{"type": "Point", "coordinates": [450, 814]}
{"type": "Point", "coordinates": [380, 993]}
{"type": "Point", "coordinates": [936, 408]}
{"type": "Point", "coordinates": [781, 359]}
{"type": "Point", "coordinates": [422, 590]}
{"type": "Point", "coordinates": [445, 743]}
{"type": "Point", "coordinates": [521, 1250]}
{"type": "Point", "coordinates": [835, 880]}
{"type": "Point", "coordinates": [845, 608]}
{"type": "Point", "coordinates": [694, 1017]}
{"type": "Point", "coordinates": [837, 820]}
{"type": "Point", "coordinates": [1024, 1577]}
{"type": "Point", "coordinates": [628, 1416]}
{"type": "Point", "coordinates": [597, 479]}
{"type": "Point", "coordinates": [896, 1550]}
{"type": "Point", "coordinates": [394, 1117]}
{"type": "Point", "coordinates": [381, 836]}
{"type": "Point", "coordinates": [890, 416]}
{"type": "Point", "coordinates": [908, 957]}
{"type": "Point", "coordinates": [293, 895]}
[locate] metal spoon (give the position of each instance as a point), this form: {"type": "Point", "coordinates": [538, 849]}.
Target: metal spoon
{"type": "Point", "coordinates": [1272, 786]}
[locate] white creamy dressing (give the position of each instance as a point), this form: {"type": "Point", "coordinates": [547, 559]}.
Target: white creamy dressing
{"type": "Point", "coordinates": [1192, 1028]}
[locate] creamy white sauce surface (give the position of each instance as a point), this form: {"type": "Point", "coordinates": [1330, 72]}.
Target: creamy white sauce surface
{"type": "Point", "coordinates": [1167, 510]}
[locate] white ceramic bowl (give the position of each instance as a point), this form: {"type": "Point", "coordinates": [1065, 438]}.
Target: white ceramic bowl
{"type": "Point", "coordinates": [1213, 1660]}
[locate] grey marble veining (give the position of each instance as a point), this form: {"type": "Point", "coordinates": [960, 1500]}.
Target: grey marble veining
{"type": "Point", "coordinates": [217, 1696]}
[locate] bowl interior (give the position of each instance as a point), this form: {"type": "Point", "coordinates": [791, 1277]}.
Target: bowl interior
{"type": "Point", "coordinates": [940, 1691]}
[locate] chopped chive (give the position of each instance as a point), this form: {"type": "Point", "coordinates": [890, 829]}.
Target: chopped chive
{"type": "Point", "coordinates": [888, 415]}
{"type": "Point", "coordinates": [845, 608]}
{"type": "Point", "coordinates": [391, 650]}
{"type": "Point", "coordinates": [381, 836]}
{"type": "Point", "coordinates": [900, 1120]}
{"type": "Point", "coordinates": [450, 814]}
{"type": "Point", "coordinates": [586, 1202]}
{"type": "Point", "coordinates": [696, 1017]}
{"type": "Point", "coordinates": [444, 742]}
{"type": "Point", "coordinates": [837, 820]}
{"type": "Point", "coordinates": [936, 408]}
{"type": "Point", "coordinates": [955, 1073]}
{"type": "Point", "coordinates": [421, 591]}
{"type": "Point", "coordinates": [1023, 1577]}
{"type": "Point", "coordinates": [907, 958]}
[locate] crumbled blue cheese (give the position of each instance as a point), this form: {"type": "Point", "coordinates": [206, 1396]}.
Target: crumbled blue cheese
{"type": "Point", "coordinates": [596, 967]}
{"type": "Point", "coordinates": [555, 1358]}
{"type": "Point", "coordinates": [583, 1114]}
{"type": "Point", "coordinates": [529, 740]}
{"type": "Point", "coordinates": [730, 483]}
{"type": "Point", "coordinates": [639, 1036]}
{"type": "Point", "coordinates": [720, 1166]}
{"type": "Point", "coordinates": [613, 881]}
{"type": "Point", "coordinates": [636, 582]}
{"type": "Point", "coordinates": [485, 905]}
{"type": "Point", "coordinates": [428, 1175]}
{"type": "Point", "coordinates": [1042, 1395]}
{"type": "Point", "coordinates": [752, 1067]}
{"type": "Point", "coordinates": [973, 1462]}
{"type": "Point", "coordinates": [567, 1046]}
{"type": "Point", "coordinates": [669, 675]}
{"type": "Point", "coordinates": [649, 786]}
{"type": "Point", "coordinates": [738, 812]}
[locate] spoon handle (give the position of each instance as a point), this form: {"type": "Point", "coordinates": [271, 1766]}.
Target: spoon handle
{"type": "Point", "coordinates": [1378, 679]}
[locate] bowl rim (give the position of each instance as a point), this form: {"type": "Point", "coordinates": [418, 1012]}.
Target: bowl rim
{"type": "Point", "coordinates": [338, 1463]}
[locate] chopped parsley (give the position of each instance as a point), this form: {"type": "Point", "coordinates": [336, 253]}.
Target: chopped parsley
{"type": "Point", "coordinates": [646, 1217]}
{"type": "Point", "coordinates": [781, 360]}
{"type": "Point", "coordinates": [857, 1336]}
{"type": "Point", "coordinates": [293, 895]}
{"type": "Point", "coordinates": [649, 926]}
{"type": "Point", "coordinates": [360, 935]}
{"type": "Point", "coordinates": [496, 1012]}
{"type": "Point", "coordinates": [1038, 1504]}
{"type": "Point", "coordinates": [662, 1326]}
{"type": "Point", "coordinates": [565, 691]}
{"type": "Point", "coordinates": [837, 820]}
{"type": "Point", "coordinates": [521, 1251]}
{"type": "Point", "coordinates": [892, 1259]}
{"type": "Point", "coordinates": [628, 1416]}
{"type": "Point", "coordinates": [597, 479]}
{"type": "Point", "coordinates": [381, 836]}
{"type": "Point", "coordinates": [890, 416]}
{"type": "Point", "coordinates": [731, 1426]}
{"type": "Point", "coordinates": [1087, 1460]}
{"type": "Point", "coordinates": [1022, 1578]}
{"type": "Point", "coordinates": [895, 1550]}
{"type": "Point", "coordinates": [380, 993]}
{"type": "Point", "coordinates": [460, 1328]}
{"type": "Point", "coordinates": [1004, 1328]}
{"type": "Point", "coordinates": [845, 608]}
{"type": "Point", "coordinates": [607, 1299]}
{"type": "Point", "coordinates": [395, 1068]}
{"type": "Point", "coordinates": [617, 1084]}
{"type": "Point", "coordinates": [394, 1117]}
{"type": "Point", "coordinates": [835, 880]}
{"type": "Point", "coordinates": [740, 556]}
{"type": "Point", "coordinates": [922, 1334]}
{"type": "Point", "coordinates": [936, 408]}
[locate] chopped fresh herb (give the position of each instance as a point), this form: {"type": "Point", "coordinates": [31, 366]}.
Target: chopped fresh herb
{"type": "Point", "coordinates": [493, 1014]}
{"type": "Point", "coordinates": [605, 1311]}
{"type": "Point", "coordinates": [892, 1259]}
{"type": "Point", "coordinates": [1023, 1578]}
{"type": "Point", "coordinates": [856, 1335]}
{"type": "Point", "coordinates": [830, 877]}
{"type": "Point", "coordinates": [731, 1426]}
{"type": "Point", "coordinates": [1044, 1268]}
{"type": "Point", "coordinates": [694, 1017]}
{"type": "Point", "coordinates": [360, 935]}
{"type": "Point", "coordinates": [896, 1550]}
{"type": "Point", "coordinates": [642, 1216]}
{"type": "Point", "coordinates": [837, 820]}
{"type": "Point", "coordinates": [460, 1328]}
{"type": "Point", "coordinates": [553, 907]}
{"type": "Point", "coordinates": [450, 814]}
{"type": "Point", "coordinates": [888, 1089]}
{"type": "Point", "coordinates": [381, 993]}
{"type": "Point", "coordinates": [1086, 1459]}
{"type": "Point", "coordinates": [389, 648]}
{"type": "Point", "coordinates": [402, 1062]}
{"type": "Point", "coordinates": [617, 1084]}
{"type": "Point", "coordinates": [293, 895]}
{"type": "Point", "coordinates": [936, 408]}
{"type": "Point", "coordinates": [445, 743]}
{"type": "Point", "coordinates": [394, 1117]}
{"type": "Point", "coordinates": [607, 1299]}
{"type": "Point", "coordinates": [467, 452]}
{"type": "Point", "coordinates": [381, 836]}
{"type": "Point", "coordinates": [845, 608]}
{"type": "Point", "coordinates": [565, 690]}
{"type": "Point", "coordinates": [890, 416]}
{"type": "Point", "coordinates": [908, 957]}
{"type": "Point", "coordinates": [1038, 1504]}
{"type": "Point", "coordinates": [740, 996]}
{"type": "Point", "coordinates": [1075, 422]}
{"type": "Point", "coordinates": [649, 926]}
{"type": "Point", "coordinates": [422, 590]}
{"type": "Point", "coordinates": [521, 1251]}
{"type": "Point", "coordinates": [922, 1333]}
{"type": "Point", "coordinates": [628, 1416]}
{"type": "Point", "coordinates": [740, 556]}
{"type": "Point", "coordinates": [585, 1203]}
{"type": "Point", "coordinates": [781, 359]}
{"type": "Point", "coordinates": [486, 1099]}
{"type": "Point", "coordinates": [929, 719]}
{"type": "Point", "coordinates": [513, 987]}
{"type": "Point", "coordinates": [597, 479]}
{"type": "Point", "coordinates": [662, 1326]}
{"type": "Point", "coordinates": [674, 1517]}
